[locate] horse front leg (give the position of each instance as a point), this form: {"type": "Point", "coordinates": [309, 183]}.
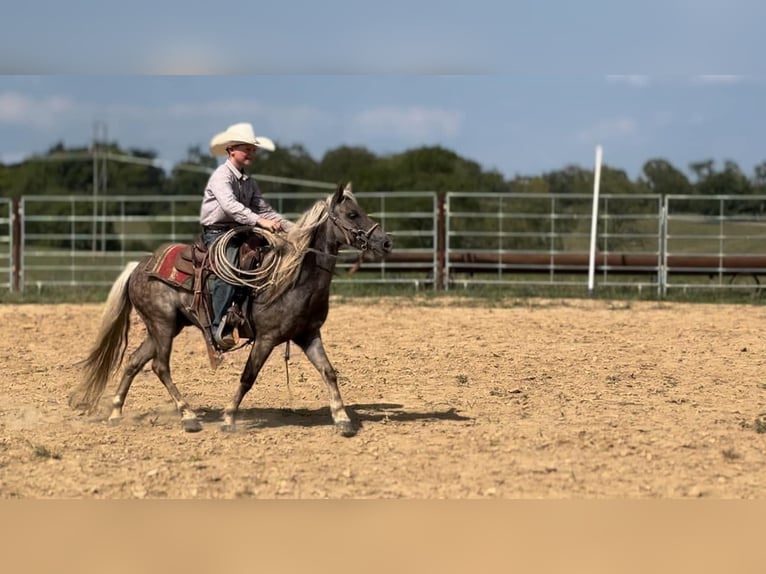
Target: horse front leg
{"type": "Point", "coordinates": [315, 352]}
{"type": "Point", "coordinates": [258, 355]}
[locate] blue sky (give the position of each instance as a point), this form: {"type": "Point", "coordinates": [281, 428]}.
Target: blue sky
{"type": "Point", "coordinates": [522, 87]}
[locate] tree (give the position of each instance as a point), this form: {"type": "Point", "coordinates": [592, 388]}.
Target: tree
{"type": "Point", "coordinates": [661, 177]}
{"type": "Point", "coordinates": [286, 161]}
{"type": "Point", "coordinates": [190, 176]}
{"type": "Point", "coordinates": [132, 172]}
{"type": "Point", "coordinates": [348, 163]}
{"type": "Point", "coordinates": [571, 179]}
{"type": "Point", "coordinates": [729, 181]}
{"type": "Point", "coordinates": [195, 156]}
{"type": "Point", "coordinates": [759, 180]}
{"type": "Point", "coordinates": [702, 169]}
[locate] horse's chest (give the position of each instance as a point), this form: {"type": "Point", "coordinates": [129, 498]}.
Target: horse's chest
{"type": "Point", "coordinates": [314, 314]}
{"type": "Point", "coordinates": [304, 313]}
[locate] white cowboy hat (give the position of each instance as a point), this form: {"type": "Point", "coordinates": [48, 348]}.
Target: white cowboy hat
{"type": "Point", "coordinates": [238, 134]}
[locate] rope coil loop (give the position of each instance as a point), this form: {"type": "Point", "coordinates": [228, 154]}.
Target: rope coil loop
{"type": "Point", "coordinates": [256, 279]}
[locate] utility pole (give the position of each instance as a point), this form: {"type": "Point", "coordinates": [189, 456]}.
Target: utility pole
{"type": "Point", "coordinates": [99, 179]}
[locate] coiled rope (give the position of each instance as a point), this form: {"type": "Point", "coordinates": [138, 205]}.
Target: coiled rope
{"type": "Point", "coordinates": [257, 279]}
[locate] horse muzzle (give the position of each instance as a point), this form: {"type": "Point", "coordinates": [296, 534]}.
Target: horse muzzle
{"type": "Point", "coordinates": [377, 243]}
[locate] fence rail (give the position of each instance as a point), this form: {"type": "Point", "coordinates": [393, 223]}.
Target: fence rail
{"type": "Point", "coordinates": [6, 244]}
{"type": "Point", "coordinates": [453, 240]}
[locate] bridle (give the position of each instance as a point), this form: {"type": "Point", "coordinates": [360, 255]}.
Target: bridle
{"type": "Point", "coordinates": [353, 234]}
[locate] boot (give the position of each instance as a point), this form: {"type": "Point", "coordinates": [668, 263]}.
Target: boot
{"type": "Point", "coordinates": [226, 337]}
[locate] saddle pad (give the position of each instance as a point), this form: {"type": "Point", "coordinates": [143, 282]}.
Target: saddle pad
{"type": "Point", "coordinates": [163, 267]}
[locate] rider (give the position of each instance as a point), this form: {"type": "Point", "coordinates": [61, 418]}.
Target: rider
{"type": "Point", "coordinates": [232, 198]}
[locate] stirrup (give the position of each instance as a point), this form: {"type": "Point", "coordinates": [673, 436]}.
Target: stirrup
{"type": "Point", "coordinates": [228, 340]}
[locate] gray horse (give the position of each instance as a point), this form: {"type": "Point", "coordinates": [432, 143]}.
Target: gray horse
{"type": "Point", "coordinates": [291, 305]}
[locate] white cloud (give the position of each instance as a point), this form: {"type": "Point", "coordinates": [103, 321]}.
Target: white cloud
{"type": "Point", "coordinates": [13, 157]}
{"type": "Point", "coordinates": [38, 113]}
{"type": "Point", "coordinates": [609, 130]}
{"type": "Point", "coordinates": [718, 79]}
{"type": "Point", "coordinates": [410, 123]}
{"type": "Point", "coordinates": [633, 80]}
{"type": "Point", "coordinates": [297, 123]}
{"type": "Point", "coordinates": [244, 107]}
{"type": "Point", "coordinates": [218, 110]}
{"type": "Point", "coordinates": [169, 129]}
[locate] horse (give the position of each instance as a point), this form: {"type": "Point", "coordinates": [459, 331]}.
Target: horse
{"type": "Point", "coordinates": [292, 305]}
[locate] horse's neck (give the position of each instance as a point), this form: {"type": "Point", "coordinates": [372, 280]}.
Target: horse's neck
{"type": "Point", "coordinates": [306, 272]}
{"type": "Point", "coordinates": [324, 251]}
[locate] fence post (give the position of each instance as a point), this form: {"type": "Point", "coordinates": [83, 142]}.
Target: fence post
{"type": "Point", "coordinates": [16, 241]}
{"type": "Point", "coordinates": [662, 267]}
{"type": "Point", "coordinates": [440, 240]}
{"type": "Point", "coordinates": [594, 222]}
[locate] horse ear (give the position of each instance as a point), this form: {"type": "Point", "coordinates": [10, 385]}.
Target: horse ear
{"type": "Point", "coordinates": [337, 197]}
{"type": "Point", "coordinates": [339, 194]}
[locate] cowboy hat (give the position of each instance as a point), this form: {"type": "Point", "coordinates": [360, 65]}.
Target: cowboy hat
{"type": "Point", "coordinates": [238, 134]}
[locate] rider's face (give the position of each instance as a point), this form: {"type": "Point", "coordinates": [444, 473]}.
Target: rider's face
{"type": "Point", "coordinates": [242, 154]}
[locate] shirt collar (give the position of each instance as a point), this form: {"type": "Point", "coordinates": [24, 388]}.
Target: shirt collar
{"type": "Point", "coordinates": [238, 174]}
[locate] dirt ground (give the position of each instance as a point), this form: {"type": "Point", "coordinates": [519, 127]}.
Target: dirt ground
{"type": "Point", "coordinates": [531, 399]}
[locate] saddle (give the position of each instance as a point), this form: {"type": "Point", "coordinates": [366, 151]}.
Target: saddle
{"type": "Point", "coordinates": [188, 267]}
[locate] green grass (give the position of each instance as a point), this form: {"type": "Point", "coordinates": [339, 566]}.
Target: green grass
{"type": "Point", "coordinates": [99, 269]}
{"type": "Point", "coordinates": [56, 294]}
{"type": "Point", "coordinates": [473, 295]}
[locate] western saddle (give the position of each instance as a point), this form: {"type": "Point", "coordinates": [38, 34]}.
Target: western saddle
{"type": "Point", "coordinates": [189, 266]}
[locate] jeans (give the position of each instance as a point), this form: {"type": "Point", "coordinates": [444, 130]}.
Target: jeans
{"type": "Point", "coordinates": [222, 292]}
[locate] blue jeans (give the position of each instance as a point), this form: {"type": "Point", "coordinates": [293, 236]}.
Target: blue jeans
{"type": "Point", "coordinates": [222, 292]}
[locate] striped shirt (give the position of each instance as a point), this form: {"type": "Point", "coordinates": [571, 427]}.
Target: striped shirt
{"type": "Point", "coordinates": [232, 197]}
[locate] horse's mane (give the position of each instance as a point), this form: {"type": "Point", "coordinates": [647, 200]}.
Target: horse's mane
{"type": "Point", "coordinates": [291, 249]}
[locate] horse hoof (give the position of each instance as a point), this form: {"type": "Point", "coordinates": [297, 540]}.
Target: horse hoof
{"type": "Point", "coordinates": [345, 428]}
{"type": "Point", "coordinates": [191, 425]}
{"type": "Point", "coordinates": [228, 427]}
{"type": "Point", "coordinates": [113, 422]}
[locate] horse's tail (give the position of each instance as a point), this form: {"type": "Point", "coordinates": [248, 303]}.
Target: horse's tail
{"type": "Point", "coordinates": [108, 350]}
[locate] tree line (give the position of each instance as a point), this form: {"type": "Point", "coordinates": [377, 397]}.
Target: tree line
{"type": "Point", "coordinates": [65, 171]}
{"type": "Point", "coordinates": [70, 171]}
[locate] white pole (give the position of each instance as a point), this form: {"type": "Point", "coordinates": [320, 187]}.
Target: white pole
{"type": "Point", "coordinates": [594, 221]}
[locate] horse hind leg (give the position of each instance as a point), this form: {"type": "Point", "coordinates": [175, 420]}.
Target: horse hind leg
{"type": "Point", "coordinates": [146, 351]}
{"type": "Point", "coordinates": [133, 366]}
{"type": "Point", "coordinates": [161, 368]}
{"type": "Point", "coordinates": [314, 350]}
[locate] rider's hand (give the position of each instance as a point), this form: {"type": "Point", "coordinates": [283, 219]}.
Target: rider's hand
{"type": "Point", "coordinates": [270, 224]}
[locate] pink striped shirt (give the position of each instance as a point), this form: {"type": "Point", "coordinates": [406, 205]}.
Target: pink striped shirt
{"type": "Point", "coordinates": [232, 197]}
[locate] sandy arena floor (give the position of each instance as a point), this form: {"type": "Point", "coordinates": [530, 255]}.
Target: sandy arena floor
{"type": "Point", "coordinates": [535, 399]}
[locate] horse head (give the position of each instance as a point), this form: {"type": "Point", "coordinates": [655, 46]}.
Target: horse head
{"type": "Point", "coordinates": [353, 227]}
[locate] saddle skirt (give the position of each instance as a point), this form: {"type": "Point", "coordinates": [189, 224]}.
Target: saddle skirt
{"type": "Point", "coordinates": [173, 264]}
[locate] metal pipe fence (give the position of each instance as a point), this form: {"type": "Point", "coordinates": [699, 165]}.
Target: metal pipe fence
{"type": "Point", "coordinates": [543, 240]}
{"type": "Point", "coordinates": [6, 243]}
{"type": "Point", "coordinates": [64, 243]}
{"type": "Point", "coordinates": [452, 240]}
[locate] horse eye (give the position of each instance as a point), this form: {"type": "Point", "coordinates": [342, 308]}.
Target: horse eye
{"type": "Point", "coordinates": [352, 214]}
